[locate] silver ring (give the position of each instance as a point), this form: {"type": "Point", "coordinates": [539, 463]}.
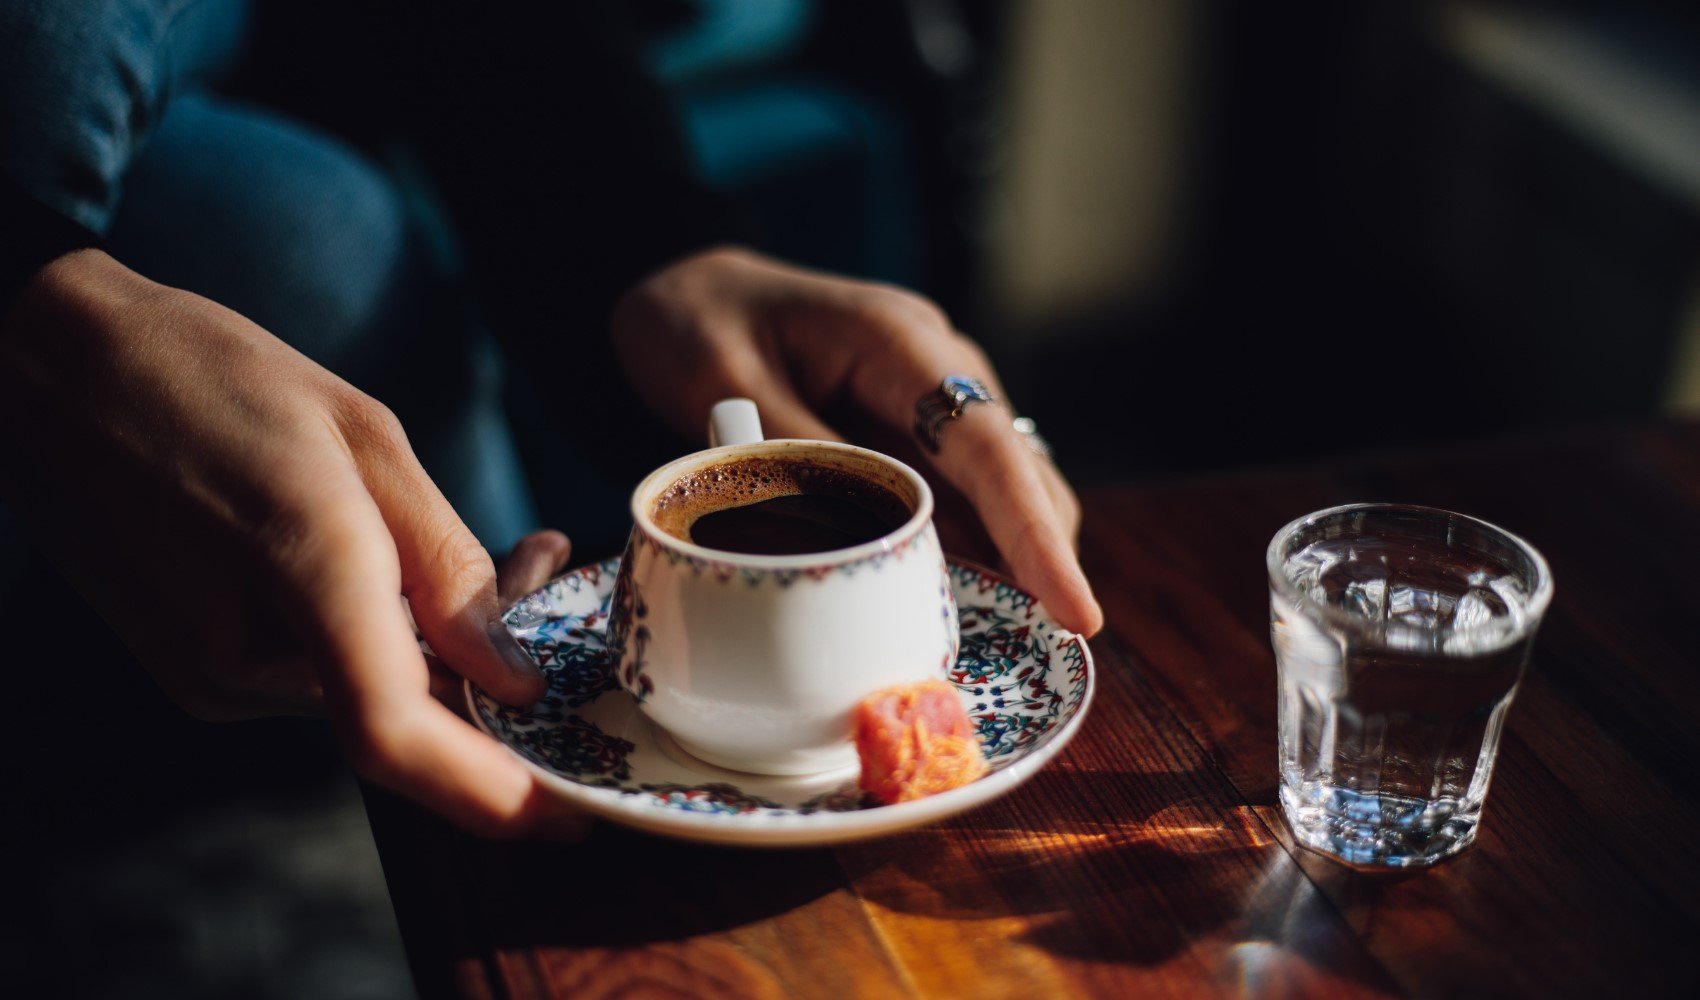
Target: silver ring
{"type": "Point", "coordinates": [1028, 428]}
{"type": "Point", "coordinates": [944, 404]}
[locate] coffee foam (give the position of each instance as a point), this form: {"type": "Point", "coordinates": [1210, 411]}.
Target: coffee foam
{"type": "Point", "coordinates": [742, 481]}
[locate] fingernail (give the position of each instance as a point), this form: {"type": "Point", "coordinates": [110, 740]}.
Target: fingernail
{"type": "Point", "coordinates": [512, 653]}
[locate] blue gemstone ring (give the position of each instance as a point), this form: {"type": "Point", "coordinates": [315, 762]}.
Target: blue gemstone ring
{"type": "Point", "coordinates": [944, 404]}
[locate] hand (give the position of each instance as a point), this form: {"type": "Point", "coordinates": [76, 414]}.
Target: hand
{"type": "Point", "coordinates": [732, 323]}
{"type": "Point", "coordinates": [248, 523]}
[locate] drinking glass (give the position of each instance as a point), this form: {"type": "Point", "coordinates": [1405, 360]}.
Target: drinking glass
{"type": "Point", "coordinates": [1400, 635]}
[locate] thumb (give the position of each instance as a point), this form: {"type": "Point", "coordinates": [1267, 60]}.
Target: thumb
{"type": "Point", "coordinates": [447, 577]}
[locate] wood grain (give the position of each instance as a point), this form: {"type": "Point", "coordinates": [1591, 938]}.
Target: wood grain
{"type": "Point", "coordinates": [1150, 859]}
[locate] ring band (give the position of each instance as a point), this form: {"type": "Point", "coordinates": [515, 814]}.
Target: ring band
{"type": "Point", "coordinates": [944, 404]}
{"type": "Point", "coordinates": [1028, 428]}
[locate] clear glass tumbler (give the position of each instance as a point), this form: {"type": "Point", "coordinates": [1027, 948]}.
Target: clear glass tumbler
{"type": "Point", "coordinates": [1400, 634]}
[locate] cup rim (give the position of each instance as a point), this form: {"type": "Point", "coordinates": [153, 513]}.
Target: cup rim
{"type": "Point", "coordinates": [898, 538]}
{"type": "Point", "coordinates": [1360, 628]}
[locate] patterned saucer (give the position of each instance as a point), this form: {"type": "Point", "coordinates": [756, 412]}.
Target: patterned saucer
{"type": "Point", "coordinates": [1025, 683]}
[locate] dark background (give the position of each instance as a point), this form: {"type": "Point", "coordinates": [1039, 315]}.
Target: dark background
{"type": "Point", "coordinates": [1377, 235]}
{"type": "Point", "coordinates": [1378, 229]}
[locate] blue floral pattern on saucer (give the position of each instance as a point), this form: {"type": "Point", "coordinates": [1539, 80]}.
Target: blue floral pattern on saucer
{"type": "Point", "coordinates": [1024, 683]}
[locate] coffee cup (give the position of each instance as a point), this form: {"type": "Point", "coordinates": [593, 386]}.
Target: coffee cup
{"type": "Point", "coordinates": [753, 660]}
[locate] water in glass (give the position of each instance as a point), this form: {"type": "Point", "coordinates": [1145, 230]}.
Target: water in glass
{"type": "Point", "coordinates": [1400, 645]}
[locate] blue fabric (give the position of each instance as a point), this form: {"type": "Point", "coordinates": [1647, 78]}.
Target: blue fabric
{"type": "Point", "coordinates": [773, 138]}
{"type": "Point", "coordinates": [82, 85]}
{"type": "Point", "coordinates": [728, 36]}
{"type": "Point", "coordinates": [110, 113]}
{"type": "Point", "coordinates": [774, 145]}
{"type": "Point", "coordinates": [106, 115]}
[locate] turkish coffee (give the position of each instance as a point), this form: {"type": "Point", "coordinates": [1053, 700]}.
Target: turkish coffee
{"type": "Point", "coordinates": [778, 506]}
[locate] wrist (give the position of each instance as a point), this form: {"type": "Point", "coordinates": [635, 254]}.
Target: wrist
{"type": "Point", "coordinates": [84, 284]}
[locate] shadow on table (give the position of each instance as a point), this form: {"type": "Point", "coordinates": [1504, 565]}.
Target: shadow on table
{"type": "Point", "coordinates": [620, 888]}
{"type": "Point", "coordinates": [1181, 879]}
{"type": "Point", "coordinates": [1185, 881]}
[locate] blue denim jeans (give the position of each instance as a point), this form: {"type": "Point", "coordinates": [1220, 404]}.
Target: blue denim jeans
{"type": "Point", "coordinates": [109, 113]}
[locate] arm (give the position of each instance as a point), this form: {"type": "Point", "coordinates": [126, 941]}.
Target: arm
{"type": "Point", "coordinates": [248, 523]}
{"type": "Point", "coordinates": [551, 127]}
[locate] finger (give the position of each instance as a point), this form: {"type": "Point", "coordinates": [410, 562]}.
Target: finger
{"type": "Point", "coordinates": [255, 690]}
{"type": "Point", "coordinates": [961, 532]}
{"type": "Point", "coordinates": [1063, 498]}
{"type": "Point", "coordinates": [345, 576]}
{"type": "Point", "coordinates": [446, 686]}
{"type": "Point", "coordinates": [535, 559]}
{"type": "Point", "coordinates": [447, 577]}
{"type": "Point", "coordinates": [545, 816]}
{"type": "Point", "coordinates": [745, 371]}
{"type": "Point", "coordinates": [982, 455]}
{"type": "Point", "coordinates": [1035, 538]}
{"type": "Point", "coordinates": [785, 415]}
{"type": "Point", "coordinates": [553, 819]}
{"type": "Point", "coordinates": [284, 685]}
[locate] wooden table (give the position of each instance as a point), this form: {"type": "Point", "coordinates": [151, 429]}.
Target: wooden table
{"type": "Point", "coordinates": [1150, 858]}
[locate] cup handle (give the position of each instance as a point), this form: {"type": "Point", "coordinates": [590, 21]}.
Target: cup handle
{"type": "Point", "coordinates": [733, 421]}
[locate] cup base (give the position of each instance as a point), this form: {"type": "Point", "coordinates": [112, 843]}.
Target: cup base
{"type": "Point", "coordinates": [1377, 832]}
{"type": "Point", "coordinates": [818, 764]}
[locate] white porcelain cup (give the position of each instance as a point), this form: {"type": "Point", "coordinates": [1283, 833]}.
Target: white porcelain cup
{"type": "Point", "coordinates": [753, 662]}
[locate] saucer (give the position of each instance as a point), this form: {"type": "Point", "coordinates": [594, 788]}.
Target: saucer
{"type": "Point", "coordinates": [1025, 684]}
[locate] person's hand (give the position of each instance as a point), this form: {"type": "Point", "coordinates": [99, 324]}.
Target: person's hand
{"type": "Point", "coordinates": [249, 524]}
{"type": "Point", "coordinates": [729, 322]}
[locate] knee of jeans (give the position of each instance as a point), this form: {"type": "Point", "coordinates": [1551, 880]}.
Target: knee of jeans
{"type": "Point", "coordinates": [80, 85]}
{"type": "Point", "coordinates": [286, 225]}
